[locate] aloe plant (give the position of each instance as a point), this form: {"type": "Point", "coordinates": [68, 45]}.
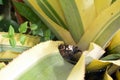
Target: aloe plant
{"type": "Point", "coordinates": [91, 25]}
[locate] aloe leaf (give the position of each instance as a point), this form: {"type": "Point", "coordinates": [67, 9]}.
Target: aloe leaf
{"type": "Point", "coordinates": [106, 35]}
{"type": "Point", "coordinates": [101, 5]}
{"type": "Point", "coordinates": [111, 57]}
{"type": "Point", "coordinates": [96, 65]}
{"type": "Point", "coordinates": [43, 60]}
{"type": "Point", "coordinates": [47, 69]}
{"type": "Point", "coordinates": [73, 18]}
{"type": "Point", "coordinates": [103, 28]}
{"type": "Point", "coordinates": [100, 64]}
{"type": "Point", "coordinates": [78, 71]}
{"type": "Point", "coordinates": [55, 4]}
{"type": "Point", "coordinates": [25, 11]}
{"type": "Point", "coordinates": [29, 42]}
{"type": "Point", "coordinates": [115, 41]}
{"type": "Point", "coordinates": [50, 10]}
{"type": "Point", "coordinates": [114, 46]}
{"type": "Point", "coordinates": [114, 50]}
{"type": "Point", "coordinates": [87, 11]}
{"type": "Point", "coordinates": [112, 69]}
{"type": "Point", "coordinates": [118, 75]}
{"type": "Point", "coordinates": [8, 54]}
{"type": "Point", "coordinates": [107, 76]}
{"type": "Point", "coordinates": [2, 65]}
{"type": "Point", "coordinates": [19, 49]}
{"type": "Point", "coordinates": [94, 52]}
{"type": "Point", "coordinates": [60, 32]}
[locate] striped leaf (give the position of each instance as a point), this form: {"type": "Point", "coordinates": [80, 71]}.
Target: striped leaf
{"type": "Point", "coordinates": [60, 32]}
{"type": "Point", "coordinates": [73, 18]}
{"type": "Point", "coordinates": [42, 62]}
{"type": "Point", "coordinates": [100, 5]}
{"type": "Point", "coordinates": [53, 10]}
{"type": "Point", "coordinates": [87, 12]}
{"type": "Point", "coordinates": [114, 46]}
{"type": "Point", "coordinates": [103, 27]}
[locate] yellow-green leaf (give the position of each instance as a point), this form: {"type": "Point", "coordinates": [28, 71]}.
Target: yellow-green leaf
{"type": "Point", "coordinates": [115, 44]}
{"type": "Point", "coordinates": [118, 75]}
{"type": "Point", "coordinates": [96, 65]}
{"type": "Point", "coordinates": [100, 5]}
{"type": "Point", "coordinates": [87, 11]}
{"type": "Point", "coordinates": [41, 62]}
{"type": "Point", "coordinates": [2, 65]}
{"type": "Point", "coordinates": [112, 69]}
{"type": "Point", "coordinates": [8, 54]}
{"type": "Point", "coordinates": [53, 10]}
{"type": "Point", "coordinates": [107, 76]}
{"type": "Point", "coordinates": [57, 7]}
{"type": "Point", "coordinates": [73, 18]}
{"type": "Point", "coordinates": [60, 32]}
{"type": "Point", "coordinates": [29, 42]}
{"type": "Point", "coordinates": [102, 28]}
{"type": "Point", "coordinates": [94, 52]}
{"type": "Point", "coordinates": [78, 71]}
{"type": "Point", "coordinates": [99, 64]}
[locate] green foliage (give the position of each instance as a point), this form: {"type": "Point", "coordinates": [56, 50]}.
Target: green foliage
{"type": "Point", "coordinates": [23, 27]}
{"type": "Point", "coordinates": [114, 56]}
{"type": "Point", "coordinates": [74, 21]}
{"type": "Point", "coordinates": [10, 35]}
{"type": "Point", "coordinates": [1, 2]}
{"type": "Point", "coordinates": [12, 41]}
{"type": "Point", "coordinates": [101, 30]}
{"type": "Point", "coordinates": [22, 39]}
{"type": "Point", "coordinates": [33, 27]}
{"type": "Point", "coordinates": [47, 35]}
{"type": "Point", "coordinates": [11, 31]}
{"type": "Point", "coordinates": [37, 27]}
{"type": "Point", "coordinates": [27, 12]}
